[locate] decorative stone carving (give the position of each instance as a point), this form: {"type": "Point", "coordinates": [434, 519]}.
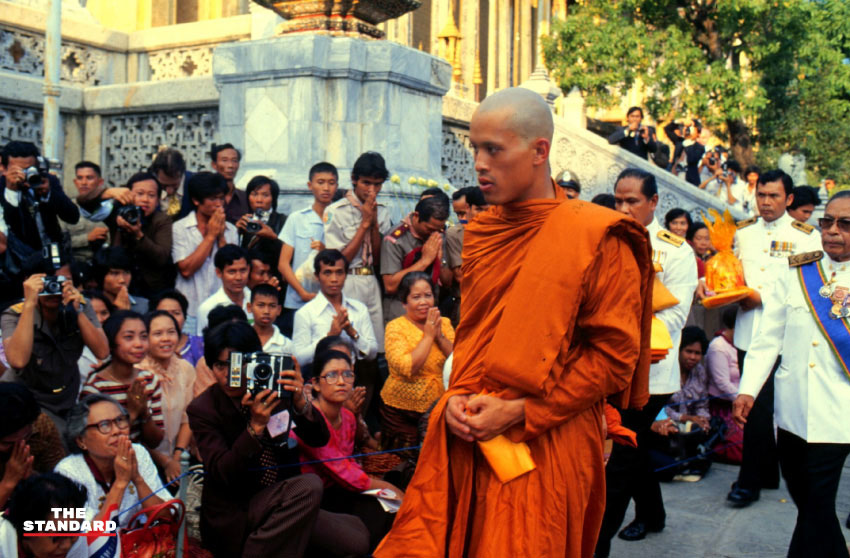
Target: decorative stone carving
{"type": "Point", "coordinates": [457, 160]}
{"type": "Point", "coordinates": [131, 140]}
{"type": "Point", "coordinates": [180, 63]}
{"type": "Point", "coordinates": [349, 17]}
{"type": "Point", "coordinates": [23, 52]}
{"type": "Point", "coordinates": [20, 124]}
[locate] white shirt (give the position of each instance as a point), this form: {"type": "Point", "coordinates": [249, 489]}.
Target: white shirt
{"type": "Point", "coordinates": [679, 275]}
{"type": "Point", "coordinates": [185, 240]}
{"type": "Point", "coordinates": [762, 266]}
{"type": "Point", "coordinates": [313, 321]}
{"type": "Point", "coordinates": [812, 392]}
{"type": "Point", "coordinates": [278, 344]}
{"type": "Point", "coordinates": [220, 298]}
{"type": "Point", "coordinates": [299, 231]}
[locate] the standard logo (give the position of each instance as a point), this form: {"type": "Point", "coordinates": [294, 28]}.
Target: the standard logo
{"type": "Point", "coordinates": [69, 522]}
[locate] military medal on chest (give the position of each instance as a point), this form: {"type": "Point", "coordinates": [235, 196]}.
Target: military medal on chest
{"type": "Point", "coordinates": [659, 257]}
{"type": "Point", "coordinates": [781, 249]}
{"type": "Point", "coordinates": [837, 294]}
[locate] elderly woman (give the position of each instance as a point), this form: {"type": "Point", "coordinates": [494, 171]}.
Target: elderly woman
{"type": "Point", "coordinates": [176, 378]}
{"type": "Point", "coordinates": [417, 345]}
{"type": "Point", "coordinates": [116, 474]}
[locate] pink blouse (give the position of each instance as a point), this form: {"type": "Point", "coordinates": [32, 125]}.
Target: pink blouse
{"type": "Point", "coordinates": [344, 472]}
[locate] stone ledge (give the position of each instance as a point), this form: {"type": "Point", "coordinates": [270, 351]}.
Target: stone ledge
{"type": "Point", "coordinates": [25, 90]}
{"type": "Point", "coordinates": [199, 33]}
{"type": "Point", "coordinates": [151, 96]}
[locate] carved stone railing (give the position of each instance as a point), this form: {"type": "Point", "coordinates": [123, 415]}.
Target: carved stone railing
{"type": "Point", "coordinates": [131, 140]}
{"type": "Point", "coordinates": [23, 52]}
{"type": "Point", "coordinates": [176, 63]}
{"type": "Point", "coordinates": [20, 124]}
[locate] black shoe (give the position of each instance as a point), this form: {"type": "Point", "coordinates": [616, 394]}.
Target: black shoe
{"type": "Point", "coordinates": [741, 497]}
{"type": "Point", "coordinates": [637, 530]}
{"type": "Point", "coordinates": [603, 549]}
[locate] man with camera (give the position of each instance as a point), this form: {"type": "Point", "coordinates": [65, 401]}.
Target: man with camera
{"type": "Point", "coordinates": [254, 502]}
{"type": "Point", "coordinates": [634, 137]}
{"type": "Point", "coordinates": [44, 335]}
{"type": "Point", "coordinates": [33, 200]}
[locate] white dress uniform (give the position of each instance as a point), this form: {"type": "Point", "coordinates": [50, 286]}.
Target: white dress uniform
{"type": "Point", "coordinates": [763, 249]}
{"type": "Point", "coordinates": [812, 392]}
{"type": "Point", "coordinates": [679, 275]}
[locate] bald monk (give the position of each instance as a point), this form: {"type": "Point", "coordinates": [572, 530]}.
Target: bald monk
{"type": "Point", "coordinates": [555, 318]}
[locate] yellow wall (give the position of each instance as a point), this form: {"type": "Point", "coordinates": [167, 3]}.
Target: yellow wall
{"type": "Point", "coordinates": [135, 15]}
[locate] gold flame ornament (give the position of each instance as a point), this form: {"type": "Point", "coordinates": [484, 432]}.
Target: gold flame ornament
{"type": "Point", "coordinates": [724, 274]}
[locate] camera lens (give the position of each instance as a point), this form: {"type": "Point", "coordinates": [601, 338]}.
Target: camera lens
{"type": "Point", "coordinates": [262, 374]}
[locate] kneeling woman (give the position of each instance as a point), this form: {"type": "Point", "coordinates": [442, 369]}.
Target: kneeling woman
{"type": "Point", "coordinates": [344, 479]}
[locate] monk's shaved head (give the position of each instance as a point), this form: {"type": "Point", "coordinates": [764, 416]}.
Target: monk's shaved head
{"type": "Point", "coordinates": [526, 113]}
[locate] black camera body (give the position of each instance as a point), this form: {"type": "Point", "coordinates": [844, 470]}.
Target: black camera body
{"type": "Point", "coordinates": [51, 283]}
{"type": "Point", "coordinates": [37, 173]}
{"type": "Point", "coordinates": [130, 213]}
{"type": "Point", "coordinates": [261, 371]}
{"type": "Point", "coordinates": [255, 225]}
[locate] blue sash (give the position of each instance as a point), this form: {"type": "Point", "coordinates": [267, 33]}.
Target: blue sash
{"type": "Point", "coordinates": [835, 331]}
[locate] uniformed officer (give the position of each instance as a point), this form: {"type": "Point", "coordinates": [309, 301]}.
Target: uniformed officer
{"type": "Point", "coordinates": [805, 319]}
{"type": "Point", "coordinates": [763, 245]}
{"type": "Point", "coordinates": [355, 225]}
{"type": "Point", "coordinates": [629, 473]}
{"type": "Point", "coordinates": [417, 246]}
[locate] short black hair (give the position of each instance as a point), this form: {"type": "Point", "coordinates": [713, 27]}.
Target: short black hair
{"type": "Point", "coordinates": [804, 195]}
{"type": "Point", "coordinates": [225, 313]}
{"type": "Point", "coordinates": [460, 193]}
{"type": "Point", "coordinates": [432, 208]}
{"type": "Point", "coordinates": [632, 109]}
{"type": "Point", "coordinates": [648, 187]}
{"type": "Point", "coordinates": [259, 255]}
{"type": "Point", "coordinates": [778, 175]}
{"type": "Point", "coordinates": [35, 496]}
{"type": "Point", "coordinates": [371, 165]}
{"type": "Point", "coordinates": [729, 315]}
{"type": "Point", "coordinates": [474, 196]}
{"type": "Point", "coordinates": [19, 407]}
{"type": "Point", "coordinates": [752, 169]}
{"type": "Point", "coordinates": [18, 149]}
{"type": "Point", "coordinates": [693, 229]}
{"type": "Point", "coordinates": [218, 148]}
{"type": "Point", "coordinates": [329, 256]}
{"type": "Point", "coordinates": [264, 289]}
{"type": "Point", "coordinates": [95, 294]}
{"type": "Point", "coordinates": [411, 279]}
{"type": "Point", "coordinates": [170, 294]}
{"type": "Point", "coordinates": [228, 254]}
{"type": "Point", "coordinates": [113, 324]}
{"type": "Point", "coordinates": [88, 165]}
{"type": "Point", "coordinates": [261, 180]}
{"type": "Point", "coordinates": [150, 316]}
{"type": "Point", "coordinates": [693, 334]}
{"type": "Point", "coordinates": [238, 336]}
{"type": "Point", "coordinates": [110, 257]}
{"type": "Point", "coordinates": [733, 166]}
{"type": "Point", "coordinates": [674, 214]}
{"type": "Point", "coordinates": [605, 200]}
{"type": "Point", "coordinates": [141, 177]}
{"type": "Point", "coordinates": [168, 161]}
{"type": "Point", "coordinates": [324, 167]}
{"type": "Point", "coordinates": [325, 343]}
{"type": "Point", "coordinates": [321, 360]}
{"type": "Point", "coordinates": [205, 185]}
{"type": "Point", "coordinates": [37, 263]}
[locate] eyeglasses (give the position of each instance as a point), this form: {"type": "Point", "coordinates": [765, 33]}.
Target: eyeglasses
{"type": "Point", "coordinates": [122, 422]}
{"type": "Point", "coordinates": [827, 222]}
{"type": "Point", "coordinates": [333, 377]}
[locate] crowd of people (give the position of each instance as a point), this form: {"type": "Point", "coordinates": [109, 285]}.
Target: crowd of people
{"type": "Point", "coordinates": [136, 321]}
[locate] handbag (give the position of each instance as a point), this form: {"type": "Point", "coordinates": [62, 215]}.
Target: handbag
{"type": "Point", "coordinates": [157, 537]}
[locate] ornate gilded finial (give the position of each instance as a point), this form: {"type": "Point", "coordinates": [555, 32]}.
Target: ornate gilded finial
{"type": "Point", "coordinates": [476, 74]}
{"type": "Point", "coordinates": [450, 39]}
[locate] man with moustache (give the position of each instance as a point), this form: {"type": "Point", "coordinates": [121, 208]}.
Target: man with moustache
{"type": "Point", "coordinates": [539, 348]}
{"type": "Point", "coordinates": [805, 320]}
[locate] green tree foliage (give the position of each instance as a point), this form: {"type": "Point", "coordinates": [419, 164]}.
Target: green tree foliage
{"type": "Point", "coordinates": [773, 73]}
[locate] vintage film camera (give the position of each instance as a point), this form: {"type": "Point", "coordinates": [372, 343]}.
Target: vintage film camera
{"type": "Point", "coordinates": [130, 213]}
{"type": "Point", "coordinates": [255, 225]}
{"type": "Point", "coordinates": [262, 371]}
{"type": "Point", "coordinates": [36, 174]}
{"type": "Point", "coordinates": [52, 283]}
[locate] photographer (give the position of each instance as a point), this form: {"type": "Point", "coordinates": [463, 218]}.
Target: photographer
{"type": "Point", "coordinates": [634, 137]}
{"type": "Point", "coordinates": [254, 502]}
{"type": "Point", "coordinates": [260, 228]}
{"type": "Point", "coordinates": [33, 200]}
{"type": "Point", "coordinates": [145, 233]}
{"type": "Point", "coordinates": [688, 151]}
{"type": "Point", "coordinates": [45, 334]}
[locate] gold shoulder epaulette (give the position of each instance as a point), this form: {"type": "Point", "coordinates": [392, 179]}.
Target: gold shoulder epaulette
{"type": "Point", "coordinates": [671, 238]}
{"type": "Point", "coordinates": [17, 308]}
{"type": "Point", "coordinates": [747, 222]}
{"type": "Point", "coordinates": [806, 257]}
{"type": "Point", "coordinates": [800, 226]}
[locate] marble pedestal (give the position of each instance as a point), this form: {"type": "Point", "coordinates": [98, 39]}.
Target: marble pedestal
{"type": "Point", "coordinates": [292, 101]}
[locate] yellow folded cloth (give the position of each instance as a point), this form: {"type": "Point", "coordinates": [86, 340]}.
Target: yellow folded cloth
{"type": "Point", "coordinates": [662, 298]}
{"type": "Point", "coordinates": [660, 338]}
{"type": "Point", "coordinates": [508, 460]}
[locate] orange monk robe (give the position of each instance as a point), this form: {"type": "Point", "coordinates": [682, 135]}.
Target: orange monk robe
{"type": "Point", "coordinates": [555, 307]}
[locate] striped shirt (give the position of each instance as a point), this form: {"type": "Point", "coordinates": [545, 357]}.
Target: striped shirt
{"type": "Point", "coordinates": [98, 383]}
